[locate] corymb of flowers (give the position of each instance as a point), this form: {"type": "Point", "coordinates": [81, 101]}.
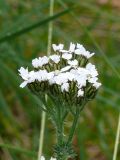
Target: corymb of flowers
{"type": "Point", "coordinates": [69, 80]}
{"type": "Point", "coordinates": [66, 75]}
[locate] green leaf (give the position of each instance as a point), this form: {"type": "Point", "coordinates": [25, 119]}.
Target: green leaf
{"type": "Point", "coordinates": [21, 30]}
{"type": "Point", "coordinates": [4, 108]}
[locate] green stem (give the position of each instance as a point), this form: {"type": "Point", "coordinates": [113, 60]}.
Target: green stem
{"type": "Point", "coordinates": [117, 140]}
{"type": "Point", "coordinates": [72, 131]}
{"type": "Point", "coordinates": [60, 134]}
{"type": "Point", "coordinates": [41, 135]}
{"type": "Point", "coordinates": [50, 30]}
{"type": "Point", "coordinates": [76, 117]}
{"type": "Point", "coordinates": [59, 126]}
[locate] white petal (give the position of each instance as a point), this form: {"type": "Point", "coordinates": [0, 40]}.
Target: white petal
{"type": "Point", "coordinates": [57, 47]}
{"type": "Point", "coordinates": [55, 58]}
{"type": "Point", "coordinates": [92, 70]}
{"type": "Point", "coordinates": [56, 72]}
{"type": "Point", "coordinates": [67, 56]}
{"type": "Point", "coordinates": [35, 62]}
{"type": "Point", "coordinates": [64, 51]}
{"type": "Point", "coordinates": [50, 75]}
{"type": "Point", "coordinates": [23, 84]}
{"type": "Point", "coordinates": [60, 79]}
{"type": "Point", "coordinates": [92, 79]}
{"type": "Point", "coordinates": [78, 52]}
{"type": "Point", "coordinates": [82, 51]}
{"type": "Point", "coordinates": [65, 87]}
{"type": "Point", "coordinates": [81, 81]}
{"type": "Point", "coordinates": [72, 47]}
{"type": "Point", "coordinates": [65, 69]}
{"type": "Point", "coordinates": [79, 45]}
{"type": "Point", "coordinates": [43, 60]}
{"type": "Point", "coordinates": [61, 46]}
{"type": "Point", "coordinates": [97, 85]}
{"type": "Point", "coordinates": [90, 55]}
{"type": "Point", "coordinates": [80, 93]}
{"type": "Point", "coordinates": [24, 73]}
{"type": "Point", "coordinates": [73, 62]}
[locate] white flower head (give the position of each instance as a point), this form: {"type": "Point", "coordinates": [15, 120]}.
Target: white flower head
{"type": "Point", "coordinates": [73, 62]}
{"type": "Point", "coordinates": [57, 47]}
{"type": "Point", "coordinates": [65, 87]}
{"type": "Point", "coordinates": [65, 71]}
{"type": "Point", "coordinates": [55, 58]}
{"type": "Point", "coordinates": [80, 93]}
{"type": "Point", "coordinates": [72, 47]}
{"type": "Point", "coordinates": [67, 56]}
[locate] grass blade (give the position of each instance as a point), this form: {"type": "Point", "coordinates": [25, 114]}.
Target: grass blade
{"type": "Point", "coordinates": [21, 31]}
{"type": "Point", "coordinates": [19, 150]}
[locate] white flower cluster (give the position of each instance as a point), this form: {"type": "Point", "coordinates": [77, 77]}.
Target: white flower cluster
{"type": "Point", "coordinates": [63, 69]}
{"type": "Point", "coordinates": [43, 158]}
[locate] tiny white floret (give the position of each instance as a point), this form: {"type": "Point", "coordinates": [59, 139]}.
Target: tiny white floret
{"type": "Point", "coordinates": [91, 68]}
{"type": "Point", "coordinates": [82, 51]}
{"type": "Point", "coordinates": [73, 62]}
{"type": "Point", "coordinates": [65, 87]}
{"type": "Point", "coordinates": [43, 60]}
{"type": "Point", "coordinates": [35, 63]}
{"type": "Point", "coordinates": [72, 47]}
{"type": "Point", "coordinates": [80, 93]}
{"type": "Point", "coordinates": [57, 47]}
{"type": "Point", "coordinates": [28, 77]}
{"type": "Point", "coordinates": [24, 73]}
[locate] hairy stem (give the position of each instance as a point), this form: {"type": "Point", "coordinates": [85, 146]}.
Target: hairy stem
{"type": "Point", "coordinates": [60, 122]}
{"type": "Point", "coordinates": [72, 131]}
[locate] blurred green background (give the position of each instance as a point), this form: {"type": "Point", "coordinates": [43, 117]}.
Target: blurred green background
{"type": "Point", "coordinates": [23, 36]}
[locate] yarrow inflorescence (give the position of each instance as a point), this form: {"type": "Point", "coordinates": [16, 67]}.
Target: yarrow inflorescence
{"type": "Point", "coordinates": [66, 75]}
{"type": "Point", "coordinates": [69, 80]}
